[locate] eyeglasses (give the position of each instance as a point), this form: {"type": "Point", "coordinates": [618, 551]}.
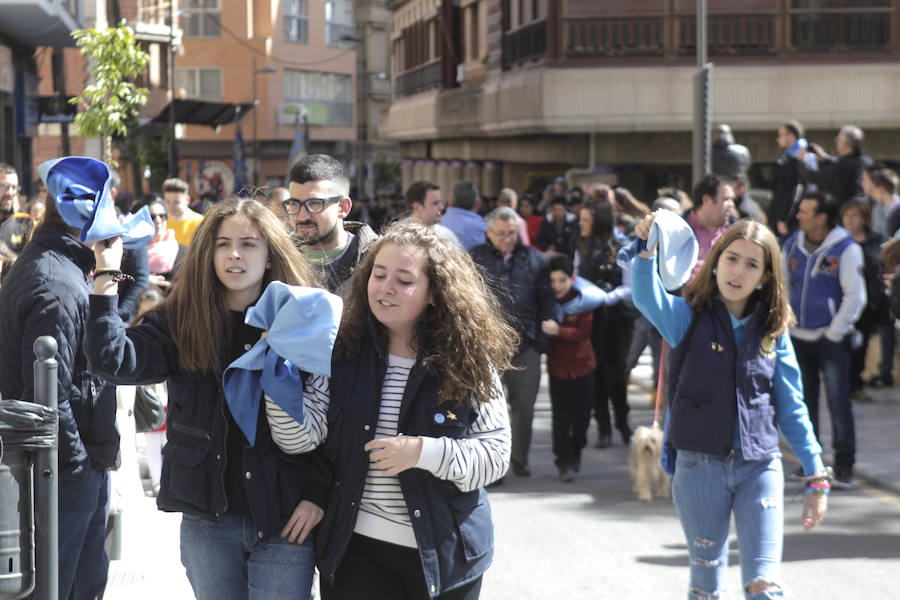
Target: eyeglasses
{"type": "Point", "coordinates": [8, 187]}
{"type": "Point", "coordinates": [292, 206]}
{"type": "Point", "coordinates": [160, 216]}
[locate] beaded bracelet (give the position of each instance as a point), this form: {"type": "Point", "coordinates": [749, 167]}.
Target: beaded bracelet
{"type": "Point", "coordinates": [115, 274]}
{"type": "Point", "coordinates": [822, 489]}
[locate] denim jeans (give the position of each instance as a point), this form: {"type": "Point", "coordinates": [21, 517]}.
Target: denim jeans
{"type": "Point", "coordinates": [833, 361]}
{"type": "Point", "coordinates": [707, 489]}
{"type": "Point", "coordinates": [226, 561]}
{"type": "Point", "coordinates": [83, 510]}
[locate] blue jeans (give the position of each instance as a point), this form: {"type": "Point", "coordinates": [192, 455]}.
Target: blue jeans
{"type": "Point", "coordinates": [83, 510]}
{"type": "Point", "coordinates": [707, 489]}
{"type": "Point", "coordinates": [833, 361]}
{"type": "Point", "coordinates": [226, 561]}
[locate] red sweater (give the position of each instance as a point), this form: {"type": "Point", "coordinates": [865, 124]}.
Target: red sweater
{"type": "Point", "coordinates": [572, 355]}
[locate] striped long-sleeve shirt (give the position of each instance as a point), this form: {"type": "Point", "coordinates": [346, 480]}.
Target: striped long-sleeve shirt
{"type": "Point", "coordinates": [469, 463]}
{"type": "Point", "coordinates": [296, 438]}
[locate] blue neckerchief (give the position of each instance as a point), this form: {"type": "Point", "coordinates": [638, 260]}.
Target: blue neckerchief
{"type": "Point", "coordinates": [80, 187]}
{"type": "Point", "coordinates": [302, 326]}
{"type": "Point", "coordinates": [589, 297]}
{"type": "Point", "coordinates": [794, 151]}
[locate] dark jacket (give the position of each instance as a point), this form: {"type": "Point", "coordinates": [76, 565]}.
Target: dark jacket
{"type": "Point", "coordinates": [194, 459]}
{"type": "Point", "coordinates": [46, 293]}
{"type": "Point", "coordinates": [523, 287]}
{"type": "Point", "coordinates": [728, 158]}
{"type": "Point", "coordinates": [598, 265]}
{"type": "Point", "coordinates": [135, 263]}
{"type": "Point", "coordinates": [714, 384]}
{"type": "Point", "coordinates": [562, 239]}
{"type": "Point", "coordinates": [786, 191]}
{"type": "Point", "coordinates": [839, 176]}
{"type": "Point", "coordinates": [336, 274]}
{"type": "Point", "coordinates": [572, 354]}
{"type": "Point", "coordinates": [453, 529]}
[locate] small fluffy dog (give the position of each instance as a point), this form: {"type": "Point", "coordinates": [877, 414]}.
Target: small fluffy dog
{"type": "Point", "coordinates": [647, 473]}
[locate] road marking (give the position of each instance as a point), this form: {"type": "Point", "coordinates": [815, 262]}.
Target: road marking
{"type": "Point", "coordinates": [882, 495]}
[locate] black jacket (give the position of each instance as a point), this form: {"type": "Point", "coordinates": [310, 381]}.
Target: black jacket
{"type": "Point", "coordinates": [840, 176]}
{"type": "Point", "coordinates": [194, 459]}
{"type": "Point", "coordinates": [46, 293]}
{"type": "Point", "coordinates": [453, 529]}
{"type": "Point", "coordinates": [523, 287]}
{"type": "Point", "coordinates": [786, 191]}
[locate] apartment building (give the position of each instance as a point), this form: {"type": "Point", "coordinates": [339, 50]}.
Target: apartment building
{"type": "Point", "coordinates": [512, 92]}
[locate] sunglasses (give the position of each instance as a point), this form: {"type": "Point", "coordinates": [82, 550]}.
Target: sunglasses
{"type": "Point", "coordinates": [292, 206]}
{"type": "Point", "coordinates": [8, 187]}
{"type": "Point", "coordinates": [160, 216]}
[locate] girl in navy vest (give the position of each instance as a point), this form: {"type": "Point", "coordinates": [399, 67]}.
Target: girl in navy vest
{"type": "Point", "coordinates": [733, 381]}
{"type": "Point", "coordinates": [417, 425]}
{"type": "Point", "coordinates": [247, 509]}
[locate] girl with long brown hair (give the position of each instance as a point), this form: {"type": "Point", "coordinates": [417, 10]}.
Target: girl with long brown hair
{"type": "Point", "coordinates": [733, 383]}
{"type": "Point", "coordinates": [248, 508]}
{"type": "Point", "coordinates": [417, 424]}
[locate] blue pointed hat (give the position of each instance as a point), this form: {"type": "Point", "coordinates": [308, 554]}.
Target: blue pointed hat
{"type": "Point", "coordinates": [80, 187]}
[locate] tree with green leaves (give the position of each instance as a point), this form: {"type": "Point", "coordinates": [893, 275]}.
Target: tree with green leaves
{"type": "Point", "coordinates": [111, 102]}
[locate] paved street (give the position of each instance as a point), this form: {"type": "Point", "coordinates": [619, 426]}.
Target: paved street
{"type": "Point", "coordinates": [591, 539]}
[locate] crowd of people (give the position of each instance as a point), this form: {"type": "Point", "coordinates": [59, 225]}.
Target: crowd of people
{"type": "Point", "coordinates": [355, 376]}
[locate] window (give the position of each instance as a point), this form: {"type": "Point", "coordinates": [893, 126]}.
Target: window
{"type": "Point", "coordinates": [474, 32]}
{"type": "Point", "coordinates": [199, 82]}
{"type": "Point", "coordinates": [201, 18]}
{"type": "Point", "coordinates": [326, 96]}
{"type": "Point", "coordinates": [338, 21]}
{"type": "Point", "coordinates": [295, 22]}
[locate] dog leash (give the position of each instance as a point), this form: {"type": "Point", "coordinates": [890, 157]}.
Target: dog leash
{"type": "Point", "coordinates": [659, 381]}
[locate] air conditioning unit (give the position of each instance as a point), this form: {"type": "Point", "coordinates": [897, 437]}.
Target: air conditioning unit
{"type": "Point", "coordinates": [460, 74]}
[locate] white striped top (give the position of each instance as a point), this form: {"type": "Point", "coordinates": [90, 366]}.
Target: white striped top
{"type": "Point", "coordinates": [469, 463]}
{"type": "Point", "coordinates": [382, 510]}
{"type": "Point", "coordinates": [296, 438]}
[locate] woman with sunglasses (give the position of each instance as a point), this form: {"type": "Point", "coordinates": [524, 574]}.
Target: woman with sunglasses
{"type": "Point", "coordinates": [164, 252]}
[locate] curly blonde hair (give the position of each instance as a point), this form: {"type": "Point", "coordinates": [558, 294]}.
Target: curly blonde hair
{"type": "Point", "coordinates": [774, 295]}
{"type": "Point", "coordinates": [467, 338]}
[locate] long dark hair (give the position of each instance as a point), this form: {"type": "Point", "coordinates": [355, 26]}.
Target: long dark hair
{"type": "Point", "coordinates": [601, 227]}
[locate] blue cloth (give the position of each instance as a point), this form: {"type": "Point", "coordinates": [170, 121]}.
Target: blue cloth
{"type": "Point", "coordinates": [678, 249]}
{"type": "Point", "coordinates": [80, 187]}
{"type": "Point", "coordinates": [302, 326]}
{"type": "Point", "coordinates": [589, 298]}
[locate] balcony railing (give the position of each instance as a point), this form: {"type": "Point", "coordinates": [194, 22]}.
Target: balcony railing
{"type": "Point", "coordinates": [792, 30]}
{"type": "Point", "coordinates": [731, 34]}
{"type": "Point", "coordinates": [418, 79]}
{"type": "Point", "coordinates": [615, 37]}
{"type": "Point", "coordinates": [529, 42]}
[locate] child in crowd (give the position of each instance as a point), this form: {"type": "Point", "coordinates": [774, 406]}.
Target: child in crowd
{"type": "Point", "coordinates": [571, 364]}
{"type": "Point", "coordinates": [417, 425]}
{"type": "Point", "coordinates": [733, 382]}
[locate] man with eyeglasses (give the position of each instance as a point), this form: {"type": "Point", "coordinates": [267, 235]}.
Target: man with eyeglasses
{"type": "Point", "coordinates": [318, 204]}
{"type": "Point", "coordinates": [15, 227]}
{"type": "Point", "coordinates": [519, 277]}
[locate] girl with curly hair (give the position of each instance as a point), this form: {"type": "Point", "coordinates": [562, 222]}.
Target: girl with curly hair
{"type": "Point", "coordinates": [417, 424]}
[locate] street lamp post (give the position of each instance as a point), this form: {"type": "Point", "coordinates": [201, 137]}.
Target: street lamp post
{"type": "Point", "coordinates": [173, 150]}
{"type": "Point", "coordinates": [255, 131]}
{"type": "Point", "coordinates": [360, 107]}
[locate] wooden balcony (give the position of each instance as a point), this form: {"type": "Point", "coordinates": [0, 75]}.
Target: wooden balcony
{"type": "Point", "coordinates": [419, 78]}
{"type": "Point", "coordinates": [526, 43]}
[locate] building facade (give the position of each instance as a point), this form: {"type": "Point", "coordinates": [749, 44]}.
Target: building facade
{"type": "Point", "coordinates": [511, 92]}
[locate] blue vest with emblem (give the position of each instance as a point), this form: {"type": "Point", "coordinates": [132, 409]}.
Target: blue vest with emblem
{"type": "Point", "coordinates": [453, 529]}
{"type": "Point", "coordinates": [719, 384]}
{"type": "Point", "coordinates": [815, 286]}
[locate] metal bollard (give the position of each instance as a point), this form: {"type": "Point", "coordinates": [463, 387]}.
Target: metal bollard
{"type": "Point", "coordinates": [46, 476]}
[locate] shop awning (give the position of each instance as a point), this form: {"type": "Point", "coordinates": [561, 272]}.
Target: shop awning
{"type": "Point", "coordinates": [204, 112]}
